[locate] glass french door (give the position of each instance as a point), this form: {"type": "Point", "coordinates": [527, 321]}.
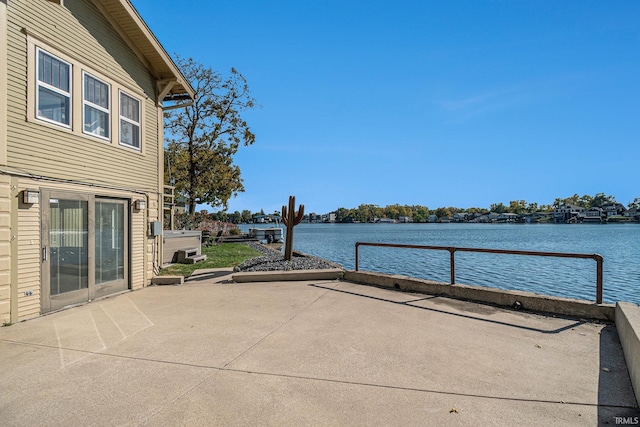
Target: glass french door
{"type": "Point", "coordinates": [85, 248]}
{"type": "Point", "coordinates": [66, 252]}
{"type": "Point", "coordinates": [111, 246]}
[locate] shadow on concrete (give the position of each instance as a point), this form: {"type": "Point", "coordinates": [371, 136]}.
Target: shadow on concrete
{"type": "Point", "coordinates": [465, 316]}
{"type": "Point", "coordinates": [616, 400]}
{"type": "Point", "coordinates": [209, 275]}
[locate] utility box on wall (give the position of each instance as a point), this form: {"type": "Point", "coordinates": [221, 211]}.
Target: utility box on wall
{"type": "Point", "coordinates": [155, 228]}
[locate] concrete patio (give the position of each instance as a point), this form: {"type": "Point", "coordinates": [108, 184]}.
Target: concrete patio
{"type": "Point", "coordinates": [318, 352]}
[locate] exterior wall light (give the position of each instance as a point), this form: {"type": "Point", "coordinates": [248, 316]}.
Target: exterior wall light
{"type": "Point", "coordinates": [31, 196]}
{"type": "Point", "coordinates": [140, 205]}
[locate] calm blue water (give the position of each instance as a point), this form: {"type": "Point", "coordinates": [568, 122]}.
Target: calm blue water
{"type": "Point", "coordinates": [619, 244]}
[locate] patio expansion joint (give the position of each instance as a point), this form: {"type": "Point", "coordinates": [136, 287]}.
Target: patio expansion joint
{"type": "Point", "coordinates": [305, 308]}
{"type": "Point", "coordinates": [311, 378]}
{"type": "Point", "coordinates": [428, 391]}
{"type": "Point", "coordinates": [161, 407]}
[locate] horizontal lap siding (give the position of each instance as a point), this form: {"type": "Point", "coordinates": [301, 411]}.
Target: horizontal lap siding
{"type": "Point", "coordinates": [153, 243]}
{"type": "Point", "coordinates": [138, 243]}
{"type": "Point", "coordinates": [5, 249]}
{"type": "Point", "coordinates": [28, 262]}
{"type": "Point", "coordinates": [81, 33]}
{"type": "Point", "coordinates": [47, 151]}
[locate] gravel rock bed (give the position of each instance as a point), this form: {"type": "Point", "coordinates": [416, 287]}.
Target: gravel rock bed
{"type": "Point", "coordinates": [274, 261]}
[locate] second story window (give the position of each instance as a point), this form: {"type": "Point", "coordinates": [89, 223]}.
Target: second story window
{"type": "Point", "coordinates": [96, 112]}
{"type": "Point", "coordinates": [129, 121]}
{"type": "Point", "coordinates": [71, 98]}
{"type": "Point", "coordinates": [54, 89]}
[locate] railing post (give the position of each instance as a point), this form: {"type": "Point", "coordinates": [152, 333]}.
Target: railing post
{"type": "Point", "coordinates": [452, 265]}
{"type": "Point", "coordinates": [599, 262]}
{"type": "Point", "coordinates": [357, 244]}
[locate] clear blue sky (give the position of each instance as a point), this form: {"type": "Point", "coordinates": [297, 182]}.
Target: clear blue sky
{"type": "Point", "coordinates": [437, 103]}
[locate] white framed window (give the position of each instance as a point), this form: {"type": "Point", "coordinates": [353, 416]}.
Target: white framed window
{"type": "Point", "coordinates": [66, 95]}
{"type": "Point", "coordinates": [96, 112]}
{"type": "Point", "coordinates": [53, 92]}
{"type": "Point", "coordinates": [129, 120]}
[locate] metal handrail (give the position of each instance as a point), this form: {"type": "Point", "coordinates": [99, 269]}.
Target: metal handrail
{"type": "Point", "coordinates": [452, 250]}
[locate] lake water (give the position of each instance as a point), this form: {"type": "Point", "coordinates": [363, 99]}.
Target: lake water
{"type": "Point", "coordinates": [619, 244]}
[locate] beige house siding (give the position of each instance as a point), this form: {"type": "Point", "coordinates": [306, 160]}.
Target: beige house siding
{"type": "Point", "coordinates": [5, 249]}
{"type": "Point", "coordinates": [138, 247]}
{"type": "Point", "coordinates": [28, 237]}
{"type": "Point", "coordinates": [46, 149]}
{"type": "Point", "coordinates": [40, 155]}
{"type": "Point", "coordinates": [5, 181]}
{"type": "Point", "coordinates": [3, 82]}
{"type": "Point", "coordinates": [152, 256]}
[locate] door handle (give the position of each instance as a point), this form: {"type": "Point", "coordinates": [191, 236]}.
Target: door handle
{"type": "Point", "coordinates": [44, 253]}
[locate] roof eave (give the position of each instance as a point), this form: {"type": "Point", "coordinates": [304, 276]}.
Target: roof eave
{"type": "Point", "coordinates": [153, 53]}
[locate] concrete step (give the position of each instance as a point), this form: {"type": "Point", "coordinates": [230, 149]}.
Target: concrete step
{"type": "Point", "coordinates": [195, 258]}
{"type": "Point", "coordinates": [168, 280]}
{"type": "Point", "coordinates": [183, 254]}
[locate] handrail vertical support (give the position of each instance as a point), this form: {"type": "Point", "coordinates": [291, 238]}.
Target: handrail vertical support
{"type": "Point", "coordinates": [452, 265]}
{"type": "Point", "coordinates": [599, 269]}
{"type": "Point", "coordinates": [357, 244]}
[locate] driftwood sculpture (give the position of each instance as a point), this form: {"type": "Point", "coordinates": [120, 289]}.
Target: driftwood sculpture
{"type": "Point", "coordinates": [290, 219]}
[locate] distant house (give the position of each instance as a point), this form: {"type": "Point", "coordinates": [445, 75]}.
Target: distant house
{"type": "Point", "coordinates": [613, 209]}
{"type": "Point", "coordinates": [461, 217]}
{"type": "Point", "coordinates": [405, 219]}
{"type": "Point", "coordinates": [386, 221]}
{"type": "Point", "coordinates": [594, 214]}
{"type": "Point", "coordinates": [632, 213]}
{"type": "Point", "coordinates": [83, 85]}
{"type": "Point", "coordinates": [265, 219]}
{"type": "Point", "coordinates": [535, 217]}
{"type": "Point", "coordinates": [507, 217]}
{"type": "Point", "coordinates": [481, 219]}
{"type": "Point", "coordinates": [349, 220]}
{"type": "Point", "coordinates": [330, 217]}
{"type": "Point", "coordinates": [493, 216]}
{"type": "Point", "coordinates": [565, 212]}
{"type": "Point", "coordinates": [432, 218]}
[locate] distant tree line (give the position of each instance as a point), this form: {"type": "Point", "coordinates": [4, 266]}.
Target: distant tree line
{"type": "Point", "coordinates": [237, 217]}
{"type": "Point", "coordinates": [421, 213]}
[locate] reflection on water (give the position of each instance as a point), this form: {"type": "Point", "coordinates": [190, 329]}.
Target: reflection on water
{"type": "Point", "coordinates": [619, 244]}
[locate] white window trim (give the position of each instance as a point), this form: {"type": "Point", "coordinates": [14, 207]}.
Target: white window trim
{"type": "Point", "coordinates": [126, 119]}
{"type": "Point", "coordinates": [40, 83]}
{"type": "Point", "coordinates": [97, 107]}
{"type": "Point", "coordinates": [36, 42]}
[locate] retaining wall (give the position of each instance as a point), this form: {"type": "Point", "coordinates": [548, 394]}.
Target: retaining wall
{"type": "Point", "coordinates": [526, 300]}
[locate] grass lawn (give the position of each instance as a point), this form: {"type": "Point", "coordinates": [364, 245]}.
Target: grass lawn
{"type": "Point", "coordinates": [222, 255]}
